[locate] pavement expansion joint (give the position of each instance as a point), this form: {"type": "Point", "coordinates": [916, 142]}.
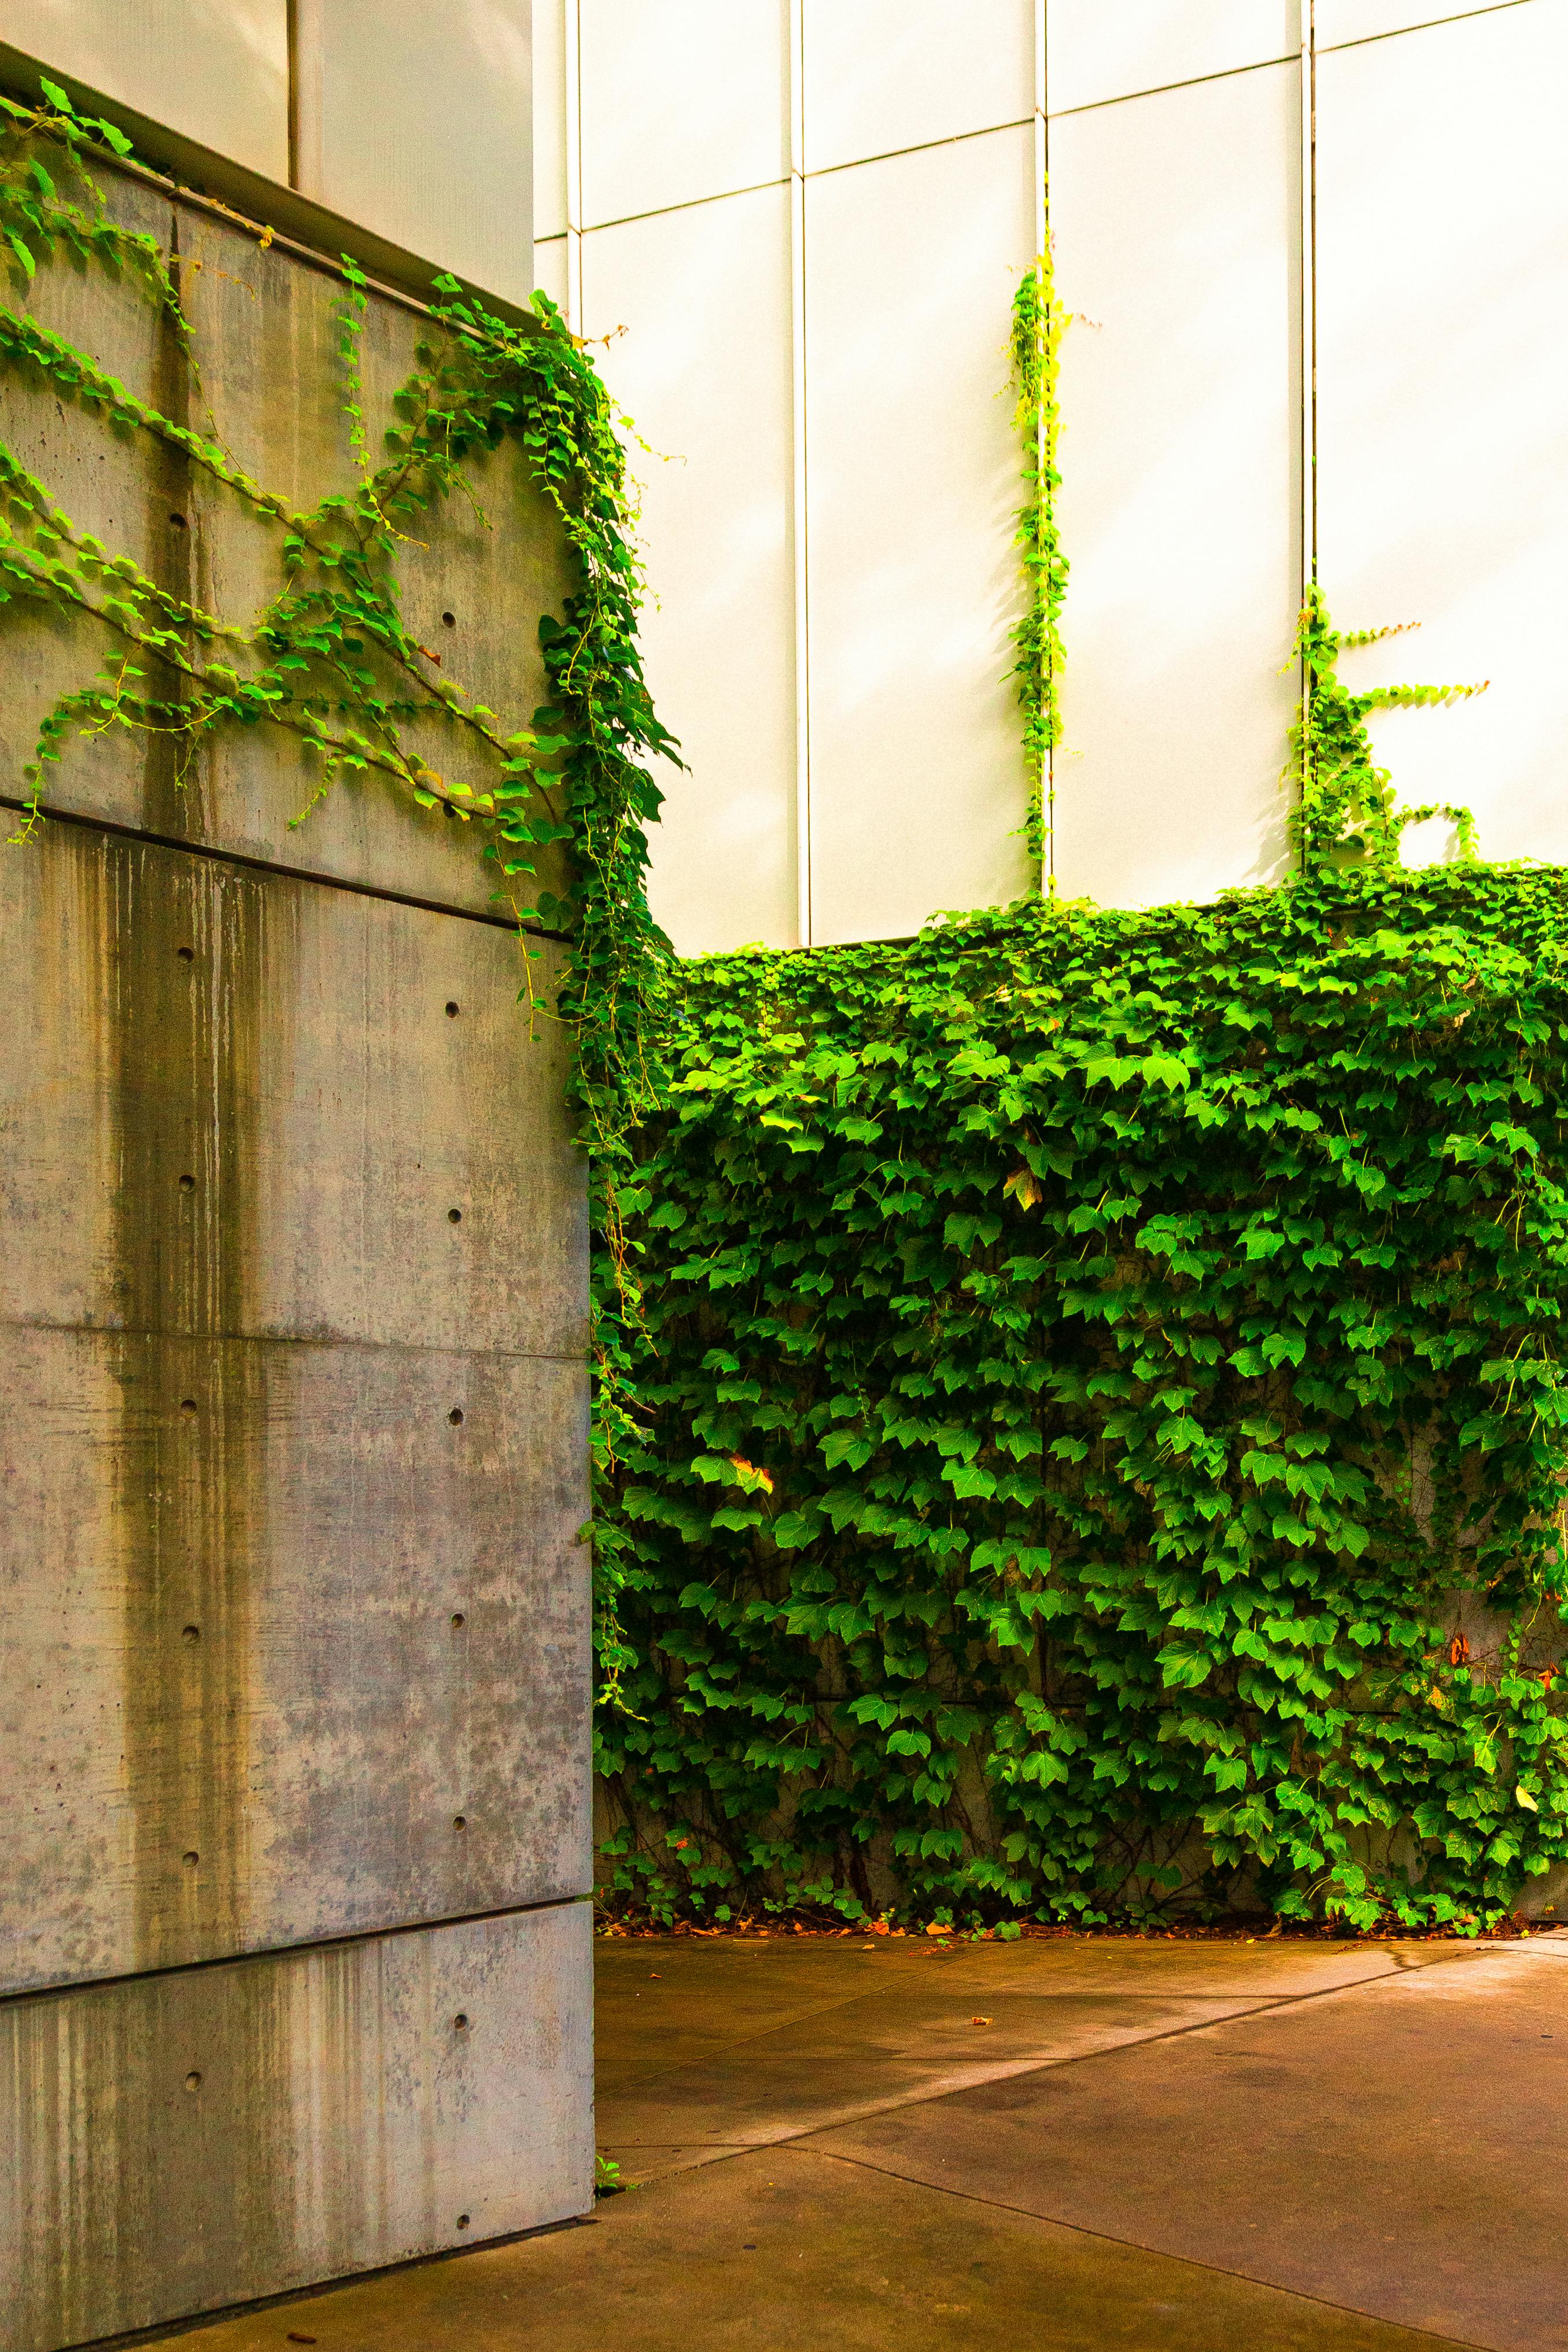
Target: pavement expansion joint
{"type": "Point", "coordinates": [1136, 2245]}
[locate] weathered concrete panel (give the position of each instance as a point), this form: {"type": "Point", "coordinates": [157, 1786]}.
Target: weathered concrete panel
{"type": "Point", "coordinates": [294, 1621]}
{"type": "Point", "coordinates": [396, 2097]}
{"type": "Point", "coordinates": [285, 1650]}
{"type": "Point", "coordinates": [268, 1114]}
{"type": "Point", "coordinates": [475, 575]}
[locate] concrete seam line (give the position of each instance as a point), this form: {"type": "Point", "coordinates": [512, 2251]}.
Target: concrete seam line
{"type": "Point", "coordinates": [269, 865]}
{"type": "Point", "coordinates": [295, 1951]}
{"type": "Point", "coordinates": [300, 1339]}
{"type": "Point", "coordinates": [1137, 2245]}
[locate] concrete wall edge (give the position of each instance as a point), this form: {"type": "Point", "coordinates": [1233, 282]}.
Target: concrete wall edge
{"type": "Point", "coordinates": [82, 818]}
{"type": "Point", "coordinates": [9, 2001]}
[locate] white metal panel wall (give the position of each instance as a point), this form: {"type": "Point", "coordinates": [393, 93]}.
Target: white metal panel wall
{"type": "Point", "coordinates": [916, 775]}
{"type": "Point", "coordinates": [886, 75]}
{"type": "Point", "coordinates": [1340, 21]}
{"type": "Point", "coordinates": [680, 102]}
{"type": "Point", "coordinates": [216, 70]}
{"type": "Point", "coordinates": [703, 369]}
{"type": "Point", "coordinates": [549, 270]}
{"type": "Point", "coordinates": [1099, 52]}
{"type": "Point", "coordinates": [1175, 219]}
{"type": "Point", "coordinates": [900, 457]}
{"type": "Point", "coordinates": [903, 137]}
{"type": "Point", "coordinates": [1443, 430]}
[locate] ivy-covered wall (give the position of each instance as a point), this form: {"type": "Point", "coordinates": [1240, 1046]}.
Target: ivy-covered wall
{"type": "Point", "coordinates": [1095, 1436]}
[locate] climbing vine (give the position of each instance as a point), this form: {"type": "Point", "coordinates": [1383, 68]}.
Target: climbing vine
{"type": "Point", "coordinates": [330, 661]}
{"type": "Point", "coordinates": [1344, 804]}
{"type": "Point", "coordinates": [1104, 1418]}
{"type": "Point", "coordinates": [1080, 1423]}
{"type": "Point", "coordinates": [1101, 1444]}
{"type": "Point", "coordinates": [1039, 324]}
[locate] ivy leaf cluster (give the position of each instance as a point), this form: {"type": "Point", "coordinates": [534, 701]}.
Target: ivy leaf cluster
{"type": "Point", "coordinates": [331, 663]}
{"type": "Point", "coordinates": [1039, 324]}
{"type": "Point", "coordinates": [1100, 1431]}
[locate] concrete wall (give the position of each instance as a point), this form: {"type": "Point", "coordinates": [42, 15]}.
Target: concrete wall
{"type": "Point", "coordinates": [413, 122]}
{"type": "Point", "coordinates": [802, 224]}
{"type": "Point", "coordinates": [294, 1624]}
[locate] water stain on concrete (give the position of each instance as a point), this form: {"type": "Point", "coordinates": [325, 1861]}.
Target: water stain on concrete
{"type": "Point", "coordinates": [185, 951]}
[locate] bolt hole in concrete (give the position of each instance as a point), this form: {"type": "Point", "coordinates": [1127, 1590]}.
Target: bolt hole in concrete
{"type": "Point", "coordinates": [187, 1404]}
{"type": "Point", "coordinates": [190, 1860]}
{"type": "Point", "coordinates": [460, 2023]}
{"type": "Point", "coordinates": [460, 1822]}
{"type": "Point", "coordinates": [186, 955]}
{"type": "Point", "coordinates": [191, 1633]}
{"type": "Point", "coordinates": [454, 1216]}
{"type": "Point", "coordinates": [449, 620]}
{"type": "Point", "coordinates": [187, 1184]}
{"type": "Point", "coordinates": [193, 2081]}
{"type": "Point", "coordinates": [462, 2220]}
{"type": "Point", "coordinates": [452, 1009]}
{"type": "Point", "coordinates": [455, 1415]}
{"type": "Point", "coordinates": [459, 1618]}
{"type": "Point", "coordinates": [177, 521]}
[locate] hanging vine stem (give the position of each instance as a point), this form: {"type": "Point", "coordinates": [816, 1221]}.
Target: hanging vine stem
{"type": "Point", "coordinates": [331, 663]}
{"type": "Point", "coordinates": [1344, 805]}
{"type": "Point", "coordinates": [1039, 324]}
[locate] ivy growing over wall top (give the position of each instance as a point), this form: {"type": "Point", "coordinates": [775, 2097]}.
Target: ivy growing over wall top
{"type": "Point", "coordinates": [1081, 1423]}
{"type": "Point", "coordinates": [330, 661]}
{"type": "Point", "coordinates": [1103, 1417]}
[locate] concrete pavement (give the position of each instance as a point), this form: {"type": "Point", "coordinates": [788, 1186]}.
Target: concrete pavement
{"type": "Point", "coordinates": [1080, 2143]}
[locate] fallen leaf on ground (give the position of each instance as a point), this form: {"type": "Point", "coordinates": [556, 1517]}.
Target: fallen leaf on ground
{"type": "Point", "coordinates": [982, 2021]}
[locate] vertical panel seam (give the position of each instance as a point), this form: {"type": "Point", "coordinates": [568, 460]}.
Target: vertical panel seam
{"type": "Point", "coordinates": [291, 35]}
{"type": "Point", "coordinates": [306, 67]}
{"type": "Point", "coordinates": [1042, 242]}
{"type": "Point", "coordinates": [1309, 296]}
{"type": "Point", "coordinates": [801, 508]}
{"type": "Point", "coordinates": [574, 317]}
